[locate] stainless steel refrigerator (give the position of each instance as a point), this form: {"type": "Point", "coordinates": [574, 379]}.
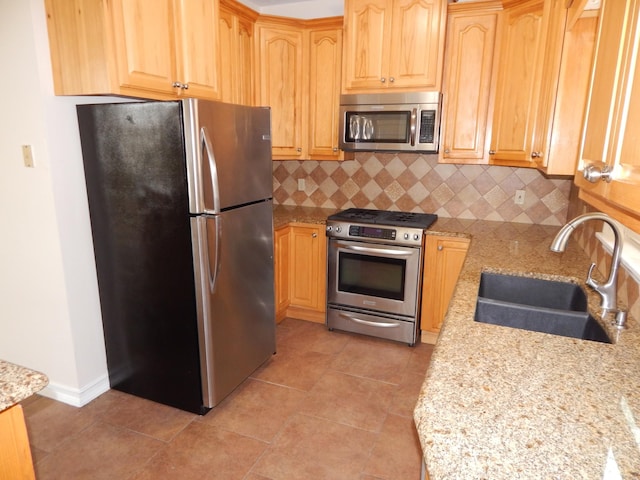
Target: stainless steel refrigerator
{"type": "Point", "coordinates": [180, 199]}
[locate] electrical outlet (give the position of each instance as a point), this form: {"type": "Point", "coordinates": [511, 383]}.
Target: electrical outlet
{"type": "Point", "coordinates": [27, 156]}
{"type": "Point", "coordinates": [301, 184]}
{"type": "Point", "coordinates": [519, 198]}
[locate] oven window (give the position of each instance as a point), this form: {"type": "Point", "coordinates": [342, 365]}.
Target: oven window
{"type": "Point", "coordinates": [378, 127]}
{"type": "Point", "coordinates": [373, 276]}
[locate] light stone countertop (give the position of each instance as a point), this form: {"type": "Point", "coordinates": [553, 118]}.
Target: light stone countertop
{"type": "Point", "coordinates": [502, 403]}
{"type": "Point", "coordinates": [283, 214]}
{"type": "Point", "coordinates": [18, 383]}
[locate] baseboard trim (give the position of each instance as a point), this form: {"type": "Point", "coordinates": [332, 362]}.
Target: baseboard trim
{"type": "Point", "coordinates": [77, 397]}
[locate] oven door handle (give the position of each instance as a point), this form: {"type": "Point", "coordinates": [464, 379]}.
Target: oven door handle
{"type": "Point", "coordinates": [368, 322]}
{"type": "Point", "coordinates": [386, 251]}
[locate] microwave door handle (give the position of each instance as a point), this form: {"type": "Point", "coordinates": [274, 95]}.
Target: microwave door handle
{"type": "Point", "coordinates": [213, 170]}
{"type": "Point", "coordinates": [413, 127]}
{"type": "Point", "coordinates": [386, 251]}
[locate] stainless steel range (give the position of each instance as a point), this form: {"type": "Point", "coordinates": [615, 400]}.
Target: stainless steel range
{"type": "Point", "coordinates": [374, 272]}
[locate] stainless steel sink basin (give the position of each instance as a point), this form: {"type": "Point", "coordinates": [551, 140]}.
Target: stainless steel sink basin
{"type": "Point", "coordinates": [559, 308]}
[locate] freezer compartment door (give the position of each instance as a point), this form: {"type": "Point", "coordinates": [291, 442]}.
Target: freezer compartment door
{"type": "Point", "coordinates": [228, 155]}
{"type": "Point", "coordinates": [236, 313]}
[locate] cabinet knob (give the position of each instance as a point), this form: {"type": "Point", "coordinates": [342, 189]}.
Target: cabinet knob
{"type": "Point", "coordinates": [299, 149]}
{"type": "Point", "coordinates": [492, 152]}
{"type": "Point", "coordinates": [446, 150]}
{"type": "Point", "coordinates": [335, 149]}
{"type": "Point", "coordinates": [440, 248]}
{"type": "Point", "coordinates": [592, 174]}
{"type": "Point", "coordinates": [391, 79]}
{"type": "Point", "coordinates": [536, 154]}
{"type": "Point", "coordinates": [383, 79]}
{"type": "Point", "coordinates": [314, 235]}
{"type": "Point", "coordinates": [185, 86]}
{"type": "Point", "coordinates": [176, 85]}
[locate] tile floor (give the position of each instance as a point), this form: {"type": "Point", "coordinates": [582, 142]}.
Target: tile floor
{"type": "Point", "coordinates": [328, 405]}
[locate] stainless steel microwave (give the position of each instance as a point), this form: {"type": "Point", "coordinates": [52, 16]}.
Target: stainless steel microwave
{"type": "Point", "coordinates": [398, 122]}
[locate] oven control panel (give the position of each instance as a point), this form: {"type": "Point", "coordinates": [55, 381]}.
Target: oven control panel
{"type": "Point", "coordinates": [375, 233]}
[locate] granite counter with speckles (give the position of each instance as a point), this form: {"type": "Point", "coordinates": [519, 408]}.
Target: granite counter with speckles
{"type": "Point", "coordinates": [502, 403]}
{"type": "Point", "coordinates": [18, 383]}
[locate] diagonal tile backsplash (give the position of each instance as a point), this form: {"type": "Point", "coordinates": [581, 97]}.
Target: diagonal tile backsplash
{"type": "Point", "coordinates": [412, 182]}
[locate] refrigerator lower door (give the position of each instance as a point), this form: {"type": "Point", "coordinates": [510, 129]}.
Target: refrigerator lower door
{"type": "Point", "coordinates": [234, 276]}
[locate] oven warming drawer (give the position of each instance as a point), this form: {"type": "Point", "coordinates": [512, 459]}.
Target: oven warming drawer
{"type": "Point", "coordinates": [356, 321]}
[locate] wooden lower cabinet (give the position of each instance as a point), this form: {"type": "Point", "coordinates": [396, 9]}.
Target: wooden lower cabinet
{"type": "Point", "coordinates": [443, 260]}
{"type": "Point", "coordinates": [281, 264]}
{"type": "Point", "coordinates": [300, 272]}
{"type": "Point", "coordinates": [15, 454]}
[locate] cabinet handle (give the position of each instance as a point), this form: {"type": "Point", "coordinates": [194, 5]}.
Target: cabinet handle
{"type": "Point", "coordinates": [391, 79]}
{"type": "Point", "coordinates": [383, 79]}
{"type": "Point", "coordinates": [299, 149]}
{"type": "Point", "coordinates": [536, 154]}
{"type": "Point", "coordinates": [176, 85]}
{"type": "Point", "coordinates": [592, 174]}
{"type": "Point", "coordinates": [335, 149]}
{"type": "Point", "coordinates": [446, 150]}
{"type": "Point", "coordinates": [440, 248]}
{"type": "Point", "coordinates": [492, 152]}
{"type": "Point", "coordinates": [185, 86]}
{"type": "Point", "coordinates": [314, 235]}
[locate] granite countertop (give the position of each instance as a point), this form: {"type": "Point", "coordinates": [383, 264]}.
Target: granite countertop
{"type": "Point", "coordinates": [502, 403]}
{"type": "Point", "coordinates": [18, 383]}
{"type": "Point", "coordinates": [283, 214]}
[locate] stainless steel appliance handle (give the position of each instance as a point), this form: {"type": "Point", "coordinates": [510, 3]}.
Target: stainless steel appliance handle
{"type": "Point", "coordinates": [207, 146]}
{"type": "Point", "coordinates": [367, 322]}
{"type": "Point", "coordinates": [414, 119]}
{"type": "Point", "coordinates": [213, 264]}
{"type": "Point", "coordinates": [386, 251]}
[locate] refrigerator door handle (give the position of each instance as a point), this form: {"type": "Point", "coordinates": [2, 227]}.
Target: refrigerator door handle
{"type": "Point", "coordinates": [213, 264]}
{"type": "Point", "coordinates": [206, 146]}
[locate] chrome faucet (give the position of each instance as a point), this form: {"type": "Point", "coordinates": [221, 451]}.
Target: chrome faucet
{"type": "Point", "coordinates": [608, 289]}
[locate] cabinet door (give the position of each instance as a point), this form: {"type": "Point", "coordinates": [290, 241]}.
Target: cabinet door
{"type": "Point", "coordinates": [198, 47]}
{"type": "Point", "coordinates": [518, 84]}
{"type": "Point", "coordinates": [281, 267]}
{"type": "Point", "coordinates": [236, 57]}
{"type": "Point", "coordinates": [280, 66]}
{"type": "Point", "coordinates": [417, 39]}
{"type": "Point", "coordinates": [308, 269]}
{"type": "Point", "coordinates": [325, 54]}
{"type": "Point", "coordinates": [144, 44]}
{"type": "Point", "coordinates": [610, 138]}
{"type": "Point", "coordinates": [469, 71]}
{"type": "Point", "coordinates": [366, 44]}
{"type": "Point", "coordinates": [444, 257]}
{"type": "Point", "coordinates": [15, 455]}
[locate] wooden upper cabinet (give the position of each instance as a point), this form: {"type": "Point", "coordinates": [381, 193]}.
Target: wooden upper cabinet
{"type": "Point", "coordinates": [281, 85]}
{"type": "Point", "coordinates": [469, 73]}
{"type": "Point", "coordinates": [139, 48]}
{"type": "Point", "coordinates": [518, 84]}
{"type": "Point", "coordinates": [610, 142]}
{"type": "Point", "coordinates": [325, 54]}
{"type": "Point", "coordinates": [393, 44]}
{"type": "Point", "coordinates": [236, 33]}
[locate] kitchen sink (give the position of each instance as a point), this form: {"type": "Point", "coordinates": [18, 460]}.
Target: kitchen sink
{"type": "Point", "coordinates": [547, 306]}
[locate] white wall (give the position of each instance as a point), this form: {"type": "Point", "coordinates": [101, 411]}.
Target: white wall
{"type": "Point", "coordinates": [49, 307]}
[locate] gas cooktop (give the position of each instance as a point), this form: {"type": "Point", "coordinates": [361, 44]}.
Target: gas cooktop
{"type": "Point", "coordinates": [385, 217]}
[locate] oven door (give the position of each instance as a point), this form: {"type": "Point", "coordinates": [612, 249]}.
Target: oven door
{"type": "Point", "coordinates": [379, 277]}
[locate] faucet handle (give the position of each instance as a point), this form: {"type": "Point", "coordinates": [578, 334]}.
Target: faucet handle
{"type": "Point", "coordinates": [590, 280]}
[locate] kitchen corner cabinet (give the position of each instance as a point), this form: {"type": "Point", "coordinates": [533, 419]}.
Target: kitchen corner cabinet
{"type": "Point", "coordinates": [15, 454]}
{"type": "Point", "coordinates": [281, 265]}
{"type": "Point", "coordinates": [443, 260]}
{"type": "Point", "coordinates": [308, 272]}
{"type": "Point", "coordinates": [298, 64]}
{"type": "Point", "coordinates": [609, 159]}
{"type": "Point", "coordinates": [138, 48]}
{"type": "Point", "coordinates": [300, 270]}
{"type": "Point", "coordinates": [393, 45]}
{"type": "Point", "coordinates": [236, 33]}
{"type": "Point", "coordinates": [467, 81]}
